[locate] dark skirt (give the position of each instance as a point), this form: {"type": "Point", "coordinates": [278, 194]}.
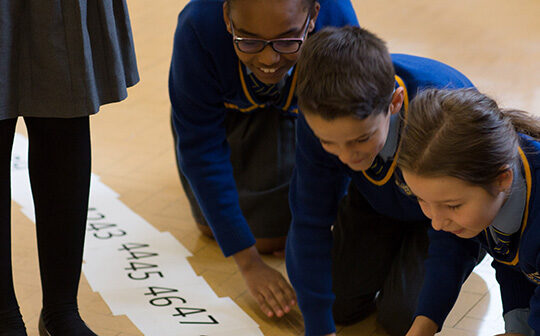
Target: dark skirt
{"type": "Point", "coordinates": [262, 147]}
{"type": "Point", "coordinates": [64, 58]}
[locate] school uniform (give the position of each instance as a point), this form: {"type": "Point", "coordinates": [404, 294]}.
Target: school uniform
{"type": "Point", "coordinates": [235, 136]}
{"type": "Point", "coordinates": [59, 62]}
{"type": "Point", "coordinates": [513, 239]}
{"type": "Point", "coordinates": [64, 59]}
{"type": "Point", "coordinates": [379, 239]}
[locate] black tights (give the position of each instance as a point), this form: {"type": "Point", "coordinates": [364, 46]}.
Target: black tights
{"type": "Point", "coordinates": [59, 166]}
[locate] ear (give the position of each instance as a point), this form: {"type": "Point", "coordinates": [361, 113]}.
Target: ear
{"type": "Point", "coordinates": [503, 182]}
{"type": "Point", "coordinates": [226, 16]}
{"type": "Point", "coordinates": [313, 18]}
{"type": "Point", "coordinates": [397, 100]}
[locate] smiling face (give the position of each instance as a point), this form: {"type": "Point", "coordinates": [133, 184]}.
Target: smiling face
{"type": "Point", "coordinates": [268, 20]}
{"type": "Point", "coordinates": [355, 142]}
{"type": "Point", "coordinates": [456, 206]}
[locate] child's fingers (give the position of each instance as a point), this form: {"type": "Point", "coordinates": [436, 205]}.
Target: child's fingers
{"type": "Point", "coordinates": [289, 293]}
{"type": "Point", "coordinates": [265, 308]}
{"type": "Point", "coordinates": [282, 297]}
{"type": "Point", "coordinates": [272, 300]}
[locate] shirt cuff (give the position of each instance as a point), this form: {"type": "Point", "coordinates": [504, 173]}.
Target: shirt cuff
{"type": "Point", "coordinates": [515, 321]}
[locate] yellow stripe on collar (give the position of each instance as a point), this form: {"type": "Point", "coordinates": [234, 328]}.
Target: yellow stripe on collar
{"type": "Point", "coordinates": [291, 92]}
{"type": "Point", "coordinates": [394, 162]}
{"type": "Point", "coordinates": [406, 98]}
{"type": "Point", "coordinates": [252, 101]}
{"type": "Point", "coordinates": [247, 109]}
{"type": "Point", "coordinates": [246, 92]}
{"type": "Point", "coordinates": [528, 180]}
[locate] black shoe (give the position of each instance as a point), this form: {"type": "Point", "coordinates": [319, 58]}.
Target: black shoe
{"type": "Point", "coordinates": [14, 333]}
{"type": "Point", "coordinates": [11, 322]}
{"type": "Point", "coordinates": [41, 327]}
{"type": "Point", "coordinates": [44, 332]}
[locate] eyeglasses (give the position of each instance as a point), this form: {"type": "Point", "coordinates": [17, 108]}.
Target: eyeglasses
{"type": "Point", "coordinates": [281, 45]}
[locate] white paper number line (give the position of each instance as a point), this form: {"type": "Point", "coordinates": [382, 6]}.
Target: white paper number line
{"type": "Point", "coordinates": [139, 271]}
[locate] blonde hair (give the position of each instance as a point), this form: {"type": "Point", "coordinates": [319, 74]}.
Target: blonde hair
{"type": "Point", "coordinates": [464, 134]}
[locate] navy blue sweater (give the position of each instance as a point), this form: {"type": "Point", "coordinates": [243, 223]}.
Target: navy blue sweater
{"type": "Point", "coordinates": [319, 182]}
{"type": "Point", "coordinates": [207, 79]}
{"type": "Point", "coordinates": [516, 257]}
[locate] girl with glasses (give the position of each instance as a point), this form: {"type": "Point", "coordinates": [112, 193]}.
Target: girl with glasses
{"type": "Point", "coordinates": [475, 170]}
{"type": "Point", "coordinates": [59, 62]}
{"type": "Point", "coordinates": [232, 84]}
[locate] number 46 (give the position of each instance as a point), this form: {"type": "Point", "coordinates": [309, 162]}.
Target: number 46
{"type": "Point", "coordinates": [181, 311]}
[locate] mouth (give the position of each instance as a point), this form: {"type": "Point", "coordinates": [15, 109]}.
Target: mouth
{"type": "Point", "coordinates": [268, 70]}
{"type": "Point", "coordinates": [360, 161]}
{"type": "Point", "coordinates": [457, 231]}
{"type": "Point", "coordinates": [357, 165]}
{"type": "Point", "coordinates": [269, 75]}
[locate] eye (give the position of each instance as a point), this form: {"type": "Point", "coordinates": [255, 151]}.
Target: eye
{"type": "Point", "coordinates": [287, 47]}
{"type": "Point", "coordinates": [250, 43]}
{"type": "Point", "coordinates": [454, 207]}
{"type": "Point", "coordinates": [363, 140]}
{"type": "Point", "coordinates": [325, 143]}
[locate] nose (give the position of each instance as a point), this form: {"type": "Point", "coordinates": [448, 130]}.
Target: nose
{"type": "Point", "coordinates": [346, 155]}
{"type": "Point", "coordinates": [425, 209]}
{"type": "Point", "coordinates": [438, 221]}
{"type": "Point", "coordinates": [268, 56]}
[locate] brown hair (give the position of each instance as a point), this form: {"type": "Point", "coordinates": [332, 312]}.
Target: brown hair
{"type": "Point", "coordinates": [464, 134]}
{"type": "Point", "coordinates": [344, 71]}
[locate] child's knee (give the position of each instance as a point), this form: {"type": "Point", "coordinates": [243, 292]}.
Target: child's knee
{"type": "Point", "coordinates": [205, 230]}
{"type": "Point", "coordinates": [270, 245]}
{"type": "Point", "coordinates": [348, 311]}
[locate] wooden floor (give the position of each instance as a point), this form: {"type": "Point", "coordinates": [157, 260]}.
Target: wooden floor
{"type": "Point", "coordinates": [496, 43]}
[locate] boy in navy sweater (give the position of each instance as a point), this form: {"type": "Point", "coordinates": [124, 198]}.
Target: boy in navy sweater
{"type": "Point", "coordinates": [232, 83]}
{"type": "Point", "coordinates": [353, 96]}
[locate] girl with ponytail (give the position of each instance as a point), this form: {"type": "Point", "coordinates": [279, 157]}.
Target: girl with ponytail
{"type": "Point", "coordinates": [474, 168]}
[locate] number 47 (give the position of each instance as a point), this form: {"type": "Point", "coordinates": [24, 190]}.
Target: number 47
{"type": "Point", "coordinates": [181, 312]}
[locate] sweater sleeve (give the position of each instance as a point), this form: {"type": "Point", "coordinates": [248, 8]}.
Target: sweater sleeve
{"type": "Point", "coordinates": [516, 289]}
{"type": "Point", "coordinates": [534, 305]}
{"type": "Point", "coordinates": [336, 13]}
{"type": "Point", "coordinates": [317, 186]}
{"type": "Point", "coordinates": [198, 117]}
{"type": "Point", "coordinates": [450, 261]}
{"type": "Point", "coordinates": [534, 316]}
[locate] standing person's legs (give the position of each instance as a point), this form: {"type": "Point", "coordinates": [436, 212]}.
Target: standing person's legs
{"type": "Point", "coordinates": [364, 248]}
{"type": "Point", "coordinates": [398, 298]}
{"type": "Point", "coordinates": [59, 165]}
{"type": "Point", "coordinates": [11, 322]}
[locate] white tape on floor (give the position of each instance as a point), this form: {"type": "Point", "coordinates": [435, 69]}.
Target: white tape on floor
{"type": "Point", "coordinates": [139, 271]}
